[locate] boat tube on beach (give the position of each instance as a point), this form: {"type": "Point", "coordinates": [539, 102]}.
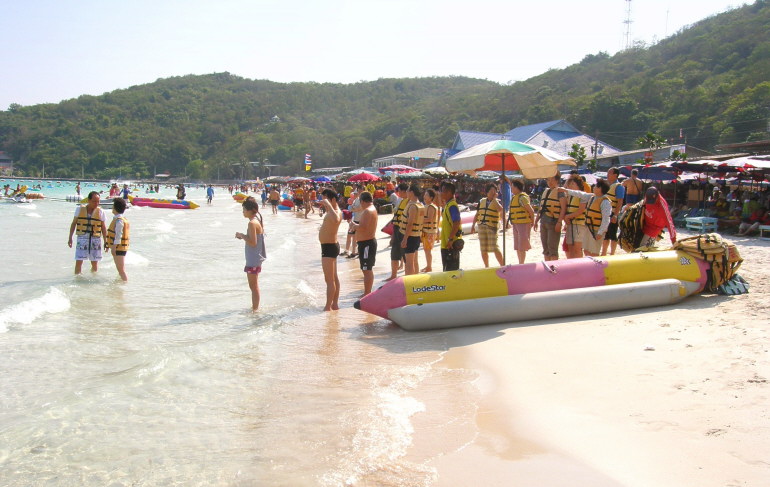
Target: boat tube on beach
{"type": "Point", "coordinates": [163, 203]}
{"type": "Point", "coordinates": [539, 290]}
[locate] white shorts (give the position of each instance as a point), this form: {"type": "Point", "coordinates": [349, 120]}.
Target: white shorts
{"type": "Point", "coordinates": [88, 248]}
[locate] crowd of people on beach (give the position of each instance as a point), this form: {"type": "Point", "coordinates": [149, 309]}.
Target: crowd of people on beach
{"type": "Point", "coordinates": [587, 216]}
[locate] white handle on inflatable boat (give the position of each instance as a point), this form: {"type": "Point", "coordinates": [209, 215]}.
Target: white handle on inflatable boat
{"type": "Point", "coordinates": [550, 268]}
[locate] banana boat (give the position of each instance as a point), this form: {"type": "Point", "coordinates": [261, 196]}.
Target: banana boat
{"type": "Point", "coordinates": [539, 290]}
{"type": "Point", "coordinates": [163, 203]}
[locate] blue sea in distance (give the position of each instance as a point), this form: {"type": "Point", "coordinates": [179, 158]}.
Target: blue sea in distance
{"type": "Point", "coordinates": [169, 379]}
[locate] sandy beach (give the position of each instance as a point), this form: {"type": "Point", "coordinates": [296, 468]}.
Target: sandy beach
{"type": "Point", "coordinates": [666, 396]}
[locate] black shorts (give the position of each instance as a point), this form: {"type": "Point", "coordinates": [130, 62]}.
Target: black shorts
{"type": "Point", "coordinates": [367, 252]}
{"type": "Point", "coordinates": [274, 202]}
{"type": "Point", "coordinates": [121, 252]}
{"type": "Point", "coordinates": [412, 245]}
{"type": "Point", "coordinates": [396, 252]}
{"type": "Point", "coordinates": [612, 232]}
{"type": "Point", "coordinates": [331, 250]}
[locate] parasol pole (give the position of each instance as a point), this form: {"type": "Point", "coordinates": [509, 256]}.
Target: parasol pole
{"type": "Point", "coordinates": [504, 214]}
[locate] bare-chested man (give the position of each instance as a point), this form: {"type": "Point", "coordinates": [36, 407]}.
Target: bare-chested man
{"type": "Point", "coordinates": [367, 244]}
{"type": "Point", "coordinates": [275, 197]}
{"type": "Point", "coordinates": [330, 247]}
{"type": "Point", "coordinates": [634, 187]}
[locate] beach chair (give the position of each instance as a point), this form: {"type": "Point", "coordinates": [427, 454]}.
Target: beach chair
{"type": "Point", "coordinates": [762, 230]}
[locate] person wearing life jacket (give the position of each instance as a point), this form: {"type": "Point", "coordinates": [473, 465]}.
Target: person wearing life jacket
{"type": "Point", "coordinates": [616, 195]}
{"type": "Point", "coordinates": [429, 227]}
{"type": "Point", "coordinates": [118, 236]}
{"type": "Point", "coordinates": [451, 229]}
{"type": "Point", "coordinates": [522, 217]}
{"type": "Point", "coordinates": [396, 251]}
{"type": "Point", "coordinates": [488, 217]}
{"type": "Point", "coordinates": [414, 216]}
{"type": "Point", "coordinates": [553, 207]}
{"type": "Point", "coordinates": [656, 217]}
{"type": "Point", "coordinates": [576, 231]}
{"type": "Point", "coordinates": [598, 215]}
{"type": "Point", "coordinates": [89, 222]}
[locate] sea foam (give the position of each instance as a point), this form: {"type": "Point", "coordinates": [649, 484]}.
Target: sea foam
{"type": "Point", "coordinates": [24, 313]}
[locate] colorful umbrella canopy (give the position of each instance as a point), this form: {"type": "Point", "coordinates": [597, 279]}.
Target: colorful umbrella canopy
{"type": "Point", "coordinates": [436, 171]}
{"type": "Point", "coordinates": [398, 169]}
{"type": "Point", "coordinates": [322, 179]}
{"type": "Point", "coordinates": [363, 176]}
{"type": "Point", "coordinates": [508, 155]}
{"type": "Point", "coordinates": [747, 163]}
{"type": "Point", "coordinates": [299, 179]}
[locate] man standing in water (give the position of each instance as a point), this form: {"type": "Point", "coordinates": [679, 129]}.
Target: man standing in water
{"type": "Point", "coordinates": [330, 247]}
{"type": "Point", "coordinates": [367, 244]}
{"type": "Point", "coordinates": [89, 222]}
{"type": "Point", "coordinates": [275, 197]}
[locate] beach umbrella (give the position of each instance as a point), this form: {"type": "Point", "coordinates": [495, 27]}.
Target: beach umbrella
{"type": "Point", "coordinates": [322, 179]}
{"type": "Point", "coordinates": [500, 155]}
{"type": "Point", "coordinates": [747, 163]}
{"type": "Point", "coordinates": [298, 179]}
{"type": "Point", "coordinates": [415, 175]}
{"type": "Point", "coordinates": [398, 169]}
{"type": "Point", "coordinates": [508, 155]}
{"type": "Point", "coordinates": [436, 171]}
{"type": "Point", "coordinates": [363, 176]}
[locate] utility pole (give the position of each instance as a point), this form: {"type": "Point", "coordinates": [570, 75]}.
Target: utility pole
{"type": "Point", "coordinates": [596, 150]}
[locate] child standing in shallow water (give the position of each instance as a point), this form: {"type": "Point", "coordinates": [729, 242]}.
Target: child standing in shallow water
{"type": "Point", "coordinates": [254, 239]}
{"type": "Point", "coordinates": [118, 236]}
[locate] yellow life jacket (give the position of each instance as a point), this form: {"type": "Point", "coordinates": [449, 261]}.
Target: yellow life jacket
{"type": "Point", "coordinates": [594, 213]}
{"type": "Point", "coordinates": [486, 215]}
{"type": "Point", "coordinates": [416, 229]}
{"type": "Point", "coordinates": [89, 224]}
{"type": "Point", "coordinates": [572, 207]}
{"type": "Point", "coordinates": [430, 225]}
{"type": "Point", "coordinates": [446, 224]}
{"type": "Point", "coordinates": [398, 215]}
{"type": "Point", "coordinates": [611, 194]}
{"type": "Point", "coordinates": [516, 211]}
{"type": "Point", "coordinates": [551, 202]}
{"type": "Point", "coordinates": [124, 237]}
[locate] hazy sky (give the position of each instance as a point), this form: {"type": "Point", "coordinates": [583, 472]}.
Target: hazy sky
{"type": "Point", "coordinates": [59, 49]}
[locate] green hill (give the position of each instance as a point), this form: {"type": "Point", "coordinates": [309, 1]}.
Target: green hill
{"type": "Point", "coordinates": [711, 80]}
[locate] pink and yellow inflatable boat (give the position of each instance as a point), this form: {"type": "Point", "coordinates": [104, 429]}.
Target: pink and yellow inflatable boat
{"type": "Point", "coordinates": [537, 290]}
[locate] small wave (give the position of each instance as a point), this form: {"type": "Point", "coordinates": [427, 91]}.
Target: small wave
{"type": "Point", "coordinates": [132, 258]}
{"type": "Point", "coordinates": [24, 313]}
{"type": "Point", "coordinates": [216, 224]}
{"type": "Point", "coordinates": [162, 226]}
{"type": "Point", "coordinates": [304, 288]}
{"type": "Point", "coordinates": [33, 215]}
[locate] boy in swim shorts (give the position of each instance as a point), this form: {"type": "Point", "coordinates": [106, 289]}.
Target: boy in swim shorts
{"type": "Point", "coordinates": [330, 247]}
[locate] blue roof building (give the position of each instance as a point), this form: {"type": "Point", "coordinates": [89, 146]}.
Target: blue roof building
{"type": "Point", "coordinates": [556, 135]}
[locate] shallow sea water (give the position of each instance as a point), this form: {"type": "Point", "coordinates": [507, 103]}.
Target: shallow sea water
{"type": "Point", "coordinates": [169, 379]}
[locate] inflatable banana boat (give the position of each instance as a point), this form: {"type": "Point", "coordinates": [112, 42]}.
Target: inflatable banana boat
{"type": "Point", "coordinates": [161, 203]}
{"type": "Point", "coordinates": [539, 290]}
